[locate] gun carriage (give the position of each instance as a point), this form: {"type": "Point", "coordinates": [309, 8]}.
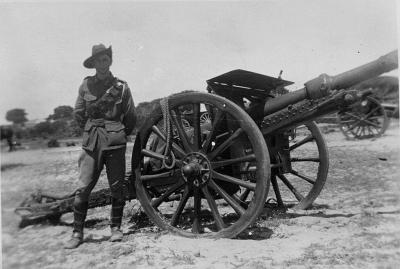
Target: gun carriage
{"type": "Point", "coordinates": [202, 163]}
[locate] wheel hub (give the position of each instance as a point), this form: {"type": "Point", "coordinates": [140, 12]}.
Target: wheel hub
{"type": "Point", "coordinates": [196, 170]}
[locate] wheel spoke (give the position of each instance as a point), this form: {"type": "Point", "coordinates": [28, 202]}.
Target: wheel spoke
{"type": "Point", "coordinates": [276, 190]}
{"type": "Point", "coordinates": [296, 193]}
{"type": "Point", "coordinates": [156, 202]}
{"type": "Point", "coordinates": [363, 131]}
{"type": "Point", "coordinates": [244, 195]}
{"type": "Point", "coordinates": [372, 123]}
{"type": "Point", "coordinates": [160, 175]}
{"type": "Point", "coordinates": [176, 119]}
{"type": "Point", "coordinates": [307, 139]}
{"type": "Point", "coordinates": [360, 131]}
{"type": "Point", "coordinates": [377, 117]}
{"type": "Point", "coordinates": [196, 125]}
{"type": "Point", "coordinates": [353, 116]}
{"type": "Point", "coordinates": [231, 201]}
{"type": "Point", "coordinates": [152, 154]}
{"type": "Point", "coordinates": [354, 125]}
{"type": "Point", "coordinates": [227, 143]}
{"type": "Point", "coordinates": [347, 122]}
{"type": "Point", "coordinates": [197, 210]}
{"type": "Point", "coordinates": [317, 160]}
{"type": "Point", "coordinates": [247, 158]}
{"type": "Point", "coordinates": [245, 184]}
{"type": "Point", "coordinates": [370, 131]}
{"type": "Point", "coordinates": [214, 129]}
{"type": "Point", "coordinates": [372, 111]}
{"type": "Point", "coordinates": [294, 172]}
{"type": "Point", "coordinates": [214, 209]}
{"type": "Point", "coordinates": [378, 131]}
{"type": "Point", "coordinates": [179, 151]}
{"type": "Point", "coordinates": [181, 206]}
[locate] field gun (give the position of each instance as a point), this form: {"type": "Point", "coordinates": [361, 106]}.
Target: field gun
{"type": "Point", "coordinates": [202, 163]}
{"type": "Point", "coordinates": [380, 106]}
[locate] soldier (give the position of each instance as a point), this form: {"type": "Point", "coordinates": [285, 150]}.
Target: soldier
{"type": "Point", "coordinates": [106, 112]}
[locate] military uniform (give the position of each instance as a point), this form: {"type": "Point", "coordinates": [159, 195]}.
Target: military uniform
{"type": "Point", "coordinates": [106, 112]}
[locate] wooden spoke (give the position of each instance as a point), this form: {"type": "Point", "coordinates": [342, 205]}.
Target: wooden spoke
{"type": "Point", "coordinates": [196, 227]}
{"type": "Point", "coordinates": [351, 127]}
{"type": "Point", "coordinates": [276, 190]}
{"type": "Point", "coordinates": [227, 143]}
{"type": "Point", "coordinates": [220, 136]}
{"type": "Point", "coordinates": [214, 129]}
{"type": "Point", "coordinates": [372, 111]}
{"type": "Point", "coordinates": [196, 125]}
{"type": "Point", "coordinates": [363, 131]}
{"type": "Point", "coordinates": [353, 116]}
{"type": "Point", "coordinates": [177, 149]}
{"type": "Point", "coordinates": [231, 201]}
{"type": "Point", "coordinates": [307, 139]}
{"type": "Point", "coordinates": [357, 130]}
{"type": "Point", "coordinates": [317, 160]}
{"type": "Point", "coordinates": [176, 119]}
{"type": "Point", "coordinates": [372, 123]}
{"type": "Point", "coordinates": [181, 206]}
{"type": "Point", "coordinates": [152, 154]}
{"type": "Point", "coordinates": [377, 129]}
{"type": "Point", "coordinates": [377, 117]}
{"type": "Point", "coordinates": [247, 158]}
{"type": "Point", "coordinates": [242, 183]}
{"type": "Point", "coordinates": [160, 175]}
{"type": "Point", "coordinates": [214, 209]}
{"type": "Point", "coordinates": [296, 193]}
{"type": "Point", "coordinates": [156, 202]}
{"type": "Point", "coordinates": [244, 195]}
{"type": "Point", "coordinates": [294, 172]}
{"type": "Point", "coordinates": [347, 122]}
{"type": "Point", "coordinates": [371, 132]}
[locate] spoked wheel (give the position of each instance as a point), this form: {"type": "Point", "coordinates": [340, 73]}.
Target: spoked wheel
{"type": "Point", "coordinates": [309, 163]}
{"type": "Point", "coordinates": [364, 120]}
{"type": "Point", "coordinates": [198, 195]}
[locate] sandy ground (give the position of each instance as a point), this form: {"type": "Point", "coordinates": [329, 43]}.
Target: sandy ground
{"type": "Point", "coordinates": [355, 222]}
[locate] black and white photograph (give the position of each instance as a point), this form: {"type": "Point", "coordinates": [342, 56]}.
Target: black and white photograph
{"type": "Point", "coordinates": [200, 134]}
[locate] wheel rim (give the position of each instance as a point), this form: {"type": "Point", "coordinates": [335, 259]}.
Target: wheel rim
{"type": "Point", "coordinates": [205, 184]}
{"type": "Point", "coordinates": [309, 162]}
{"type": "Point", "coordinates": [363, 121]}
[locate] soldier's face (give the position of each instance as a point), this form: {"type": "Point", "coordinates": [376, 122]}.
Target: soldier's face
{"type": "Point", "coordinates": [102, 64]}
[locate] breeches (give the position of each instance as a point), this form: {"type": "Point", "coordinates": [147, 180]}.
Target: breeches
{"type": "Point", "coordinates": [91, 164]}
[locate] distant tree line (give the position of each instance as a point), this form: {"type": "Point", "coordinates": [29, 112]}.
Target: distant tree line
{"type": "Point", "coordinates": [61, 124]}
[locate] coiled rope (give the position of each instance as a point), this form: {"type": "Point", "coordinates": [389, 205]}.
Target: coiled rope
{"type": "Point", "coordinates": [168, 154]}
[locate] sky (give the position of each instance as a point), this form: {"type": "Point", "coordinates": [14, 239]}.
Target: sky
{"type": "Point", "coordinates": [166, 47]}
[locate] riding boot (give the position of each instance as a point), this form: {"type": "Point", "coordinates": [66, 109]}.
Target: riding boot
{"type": "Point", "coordinates": [80, 211]}
{"type": "Point", "coordinates": [117, 209]}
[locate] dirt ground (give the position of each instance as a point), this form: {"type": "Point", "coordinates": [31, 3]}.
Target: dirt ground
{"type": "Point", "coordinates": [355, 222]}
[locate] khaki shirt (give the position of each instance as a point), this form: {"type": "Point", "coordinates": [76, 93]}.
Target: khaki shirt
{"type": "Point", "coordinates": [105, 121]}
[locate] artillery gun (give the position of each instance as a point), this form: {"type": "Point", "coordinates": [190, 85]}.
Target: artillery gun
{"type": "Point", "coordinates": [202, 163]}
{"type": "Point", "coordinates": [370, 118]}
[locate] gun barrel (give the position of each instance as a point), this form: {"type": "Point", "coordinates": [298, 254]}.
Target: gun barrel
{"type": "Point", "coordinates": [324, 84]}
{"type": "Point", "coordinates": [382, 65]}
